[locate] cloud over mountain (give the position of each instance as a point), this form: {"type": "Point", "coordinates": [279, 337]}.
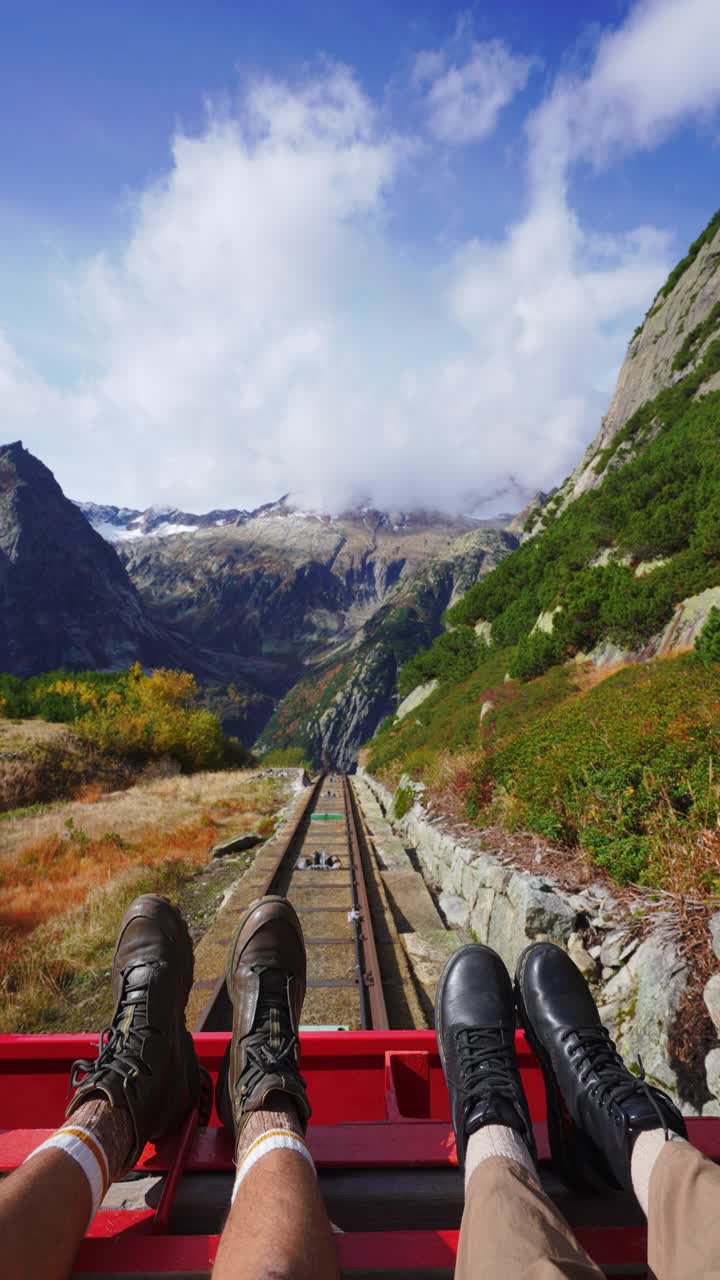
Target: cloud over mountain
{"type": "Point", "coordinates": [267, 324]}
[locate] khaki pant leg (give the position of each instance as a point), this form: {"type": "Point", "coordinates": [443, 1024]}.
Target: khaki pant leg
{"type": "Point", "coordinates": [512, 1231]}
{"type": "Point", "coordinates": [684, 1215]}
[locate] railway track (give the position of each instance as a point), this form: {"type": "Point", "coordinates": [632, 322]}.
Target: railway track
{"type": "Point", "coordinates": [318, 865]}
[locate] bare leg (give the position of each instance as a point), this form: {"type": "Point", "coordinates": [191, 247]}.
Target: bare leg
{"type": "Point", "coordinates": [277, 1226]}
{"type": "Point", "coordinates": [45, 1205]}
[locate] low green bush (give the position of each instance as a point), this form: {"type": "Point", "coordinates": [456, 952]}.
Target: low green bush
{"type": "Point", "coordinates": [403, 801]}
{"type": "Point", "coordinates": [707, 644]}
{"type": "Point", "coordinates": [534, 655]}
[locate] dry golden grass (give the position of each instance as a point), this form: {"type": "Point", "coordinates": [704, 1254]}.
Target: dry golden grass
{"type": "Point", "coordinates": [52, 861]}
{"type": "Point", "coordinates": [67, 875]}
{"type": "Point", "coordinates": [89, 793]}
{"type": "Point", "coordinates": [57, 980]}
{"type": "Point", "coordinates": [162, 802]}
{"type": "Point", "coordinates": [23, 735]}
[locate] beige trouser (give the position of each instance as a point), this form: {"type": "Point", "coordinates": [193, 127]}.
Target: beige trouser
{"type": "Point", "coordinates": [512, 1231]}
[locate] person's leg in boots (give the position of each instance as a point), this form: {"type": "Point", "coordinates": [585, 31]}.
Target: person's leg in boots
{"type": "Point", "coordinates": [510, 1229]}
{"type": "Point", "coordinates": [277, 1226]}
{"type": "Point", "coordinates": [605, 1121]}
{"type": "Point", "coordinates": [140, 1088]}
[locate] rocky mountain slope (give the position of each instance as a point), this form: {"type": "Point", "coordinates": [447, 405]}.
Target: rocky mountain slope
{"type": "Point", "coordinates": [66, 598]}
{"type": "Point", "coordinates": [352, 685]}
{"type": "Point", "coordinates": [623, 561]}
{"type": "Point", "coordinates": [680, 308]}
{"type": "Point", "coordinates": [282, 583]}
{"type": "Point", "coordinates": [68, 601]}
{"type": "Point", "coordinates": [575, 751]}
{"type": "Point", "coordinates": [283, 592]}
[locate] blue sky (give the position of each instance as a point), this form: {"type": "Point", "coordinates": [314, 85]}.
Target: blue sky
{"type": "Point", "coordinates": [390, 251]}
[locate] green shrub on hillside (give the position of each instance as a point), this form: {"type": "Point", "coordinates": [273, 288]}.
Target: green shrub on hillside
{"type": "Point", "coordinates": [696, 337]}
{"type": "Point", "coordinates": [59, 696]}
{"type": "Point", "coordinates": [403, 801]}
{"type": "Point", "coordinates": [605, 769]}
{"type": "Point", "coordinates": [707, 645]}
{"type": "Point", "coordinates": [453, 655]}
{"type": "Point", "coordinates": [449, 721]}
{"type": "Point", "coordinates": [534, 655]}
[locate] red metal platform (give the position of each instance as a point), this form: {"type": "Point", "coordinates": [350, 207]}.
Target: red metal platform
{"type": "Point", "coordinates": [379, 1103]}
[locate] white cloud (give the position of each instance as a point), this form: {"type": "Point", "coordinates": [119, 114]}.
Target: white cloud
{"type": "Point", "coordinates": [465, 98]}
{"type": "Point", "coordinates": [654, 73]}
{"type": "Point", "coordinates": [267, 328]}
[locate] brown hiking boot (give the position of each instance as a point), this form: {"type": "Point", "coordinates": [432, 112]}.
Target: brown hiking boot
{"type": "Point", "coordinates": [147, 1060]}
{"type": "Point", "coordinates": [266, 983]}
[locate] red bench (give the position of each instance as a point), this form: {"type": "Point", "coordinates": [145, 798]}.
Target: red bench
{"type": "Point", "coordinates": [381, 1138]}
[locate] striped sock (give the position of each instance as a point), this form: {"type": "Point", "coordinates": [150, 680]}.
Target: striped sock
{"type": "Point", "coordinates": [270, 1140]}
{"type": "Point", "coordinates": [83, 1147]}
{"type": "Point", "coordinates": [98, 1136]}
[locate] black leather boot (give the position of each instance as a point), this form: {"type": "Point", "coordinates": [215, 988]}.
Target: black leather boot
{"type": "Point", "coordinates": [475, 1026]}
{"type": "Point", "coordinates": [595, 1105]}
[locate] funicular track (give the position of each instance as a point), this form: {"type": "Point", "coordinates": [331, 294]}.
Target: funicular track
{"type": "Point", "coordinates": [318, 865]}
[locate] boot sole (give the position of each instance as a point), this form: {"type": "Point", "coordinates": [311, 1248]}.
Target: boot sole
{"type": "Point", "coordinates": [571, 1153]}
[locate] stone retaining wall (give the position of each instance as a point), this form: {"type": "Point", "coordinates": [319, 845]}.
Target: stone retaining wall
{"type": "Point", "coordinates": [637, 984]}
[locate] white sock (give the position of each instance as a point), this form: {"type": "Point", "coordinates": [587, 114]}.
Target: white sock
{"type": "Point", "coordinates": [646, 1149]}
{"type": "Point", "coordinates": [84, 1148]}
{"type": "Point", "coordinates": [271, 1140]}
{"type": "Point", "coordinates": [496, 1140]}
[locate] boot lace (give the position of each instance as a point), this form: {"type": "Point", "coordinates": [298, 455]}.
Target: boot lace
{"type": "Point", "coordinates": [273, 1047]}
{"type": "Point", "coordinates": [487, 1064]}
{"type": "Point", "coordinates": [121, 1043]}
{"type": "Point", "coordinates": [594, 1052]}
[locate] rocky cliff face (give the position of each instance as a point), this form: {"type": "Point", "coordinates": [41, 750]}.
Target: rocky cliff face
{"type": "Point", "coordinates": [66, 599]}
{"type": "Point", "coordinates": [649, 365]}
{"type": "Point", "coordinates": [353, 684]}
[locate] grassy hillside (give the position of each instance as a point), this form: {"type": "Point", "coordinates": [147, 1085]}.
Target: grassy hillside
{"type": "Point", "coordinates": [625, 769]}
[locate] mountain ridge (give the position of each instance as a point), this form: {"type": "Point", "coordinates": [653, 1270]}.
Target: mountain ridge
{"type": "Point", "coordinates": [67, 599]}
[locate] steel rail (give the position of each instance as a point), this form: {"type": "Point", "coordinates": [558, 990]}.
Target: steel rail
{"type": "Point", "coordinates": [371, 978]}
